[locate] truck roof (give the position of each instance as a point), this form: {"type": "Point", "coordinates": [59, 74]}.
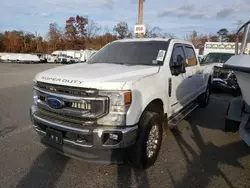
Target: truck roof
{"type": "Point", "coordinates": [153, 39]}
{"type": "Point", "coordinates": [142, 39]}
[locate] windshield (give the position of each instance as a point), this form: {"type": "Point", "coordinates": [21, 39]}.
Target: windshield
{"type": "Point", "coordinates": [217, 58]}
{"type": "Point", "coordinates": [132, 53]}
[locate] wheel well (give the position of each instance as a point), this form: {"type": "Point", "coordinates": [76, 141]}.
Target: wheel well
{"type": "Point", "coordinates": [155, 106]}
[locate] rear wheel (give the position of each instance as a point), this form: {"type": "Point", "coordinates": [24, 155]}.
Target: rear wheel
{"type": "Point", "coordinates": [205, 97]}
{"type": "Point", "coordinates": [148, 141]}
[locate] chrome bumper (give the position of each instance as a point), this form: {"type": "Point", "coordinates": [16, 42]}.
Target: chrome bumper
{"type": "Point", "coordinates": [127, 135]}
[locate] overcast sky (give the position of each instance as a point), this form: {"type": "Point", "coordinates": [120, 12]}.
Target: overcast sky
{"type": "Point", "coordinates": [175, 16]}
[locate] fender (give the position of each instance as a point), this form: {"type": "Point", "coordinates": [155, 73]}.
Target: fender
{"type": "Point", "coordinates": [144, 92]}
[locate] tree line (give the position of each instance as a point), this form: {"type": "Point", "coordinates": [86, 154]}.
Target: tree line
{"type": "Point", "coordinates": [80, 32]}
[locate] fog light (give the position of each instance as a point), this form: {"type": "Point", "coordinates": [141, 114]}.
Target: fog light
{"type": "Point", "coordinates": [113, 136]}
{"type": "Point", "coordinates": [80, 139]}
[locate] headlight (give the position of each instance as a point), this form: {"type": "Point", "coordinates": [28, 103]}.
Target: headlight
{"type": "Point", "coordinates": [118, 98]}
{"type": "Point", "coordinates": [120, 102]}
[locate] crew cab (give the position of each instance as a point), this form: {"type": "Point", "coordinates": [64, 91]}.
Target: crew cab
{"type": "Point", "coordinates": [117, 105]}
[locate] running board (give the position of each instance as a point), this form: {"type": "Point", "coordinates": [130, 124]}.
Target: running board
{"type": "Point", "coordinates": [244, 130]}
{"type": "Point", "coordinates": [176, 119]}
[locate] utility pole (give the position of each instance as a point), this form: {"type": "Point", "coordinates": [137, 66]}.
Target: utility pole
{"type": "Point", "coordinates": [140, 16]}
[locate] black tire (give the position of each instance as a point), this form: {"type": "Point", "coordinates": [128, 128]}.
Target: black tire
{"type": "Point", "coordinates": [205, 97]}
{"type": "Point", "coordinates": [140, 158]}
{"type": "Point", "coordinates": [231, 126]}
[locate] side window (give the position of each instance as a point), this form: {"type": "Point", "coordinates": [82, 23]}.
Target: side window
{"type": "Point", "coordinates": [191, 57]}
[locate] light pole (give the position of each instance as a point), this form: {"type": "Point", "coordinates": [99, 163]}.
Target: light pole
{"type": "Point", "coordinates": [140, 16]}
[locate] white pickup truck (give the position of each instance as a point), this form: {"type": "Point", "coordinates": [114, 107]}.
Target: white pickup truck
{"type": "Point", "coordinates": [117, 105]}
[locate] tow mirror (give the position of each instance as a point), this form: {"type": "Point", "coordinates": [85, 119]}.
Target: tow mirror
{"type": "Point", "coordinates": [178, 66]}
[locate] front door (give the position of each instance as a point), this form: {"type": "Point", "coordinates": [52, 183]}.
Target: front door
{"type": "Point", "coordinates": [178, 84]}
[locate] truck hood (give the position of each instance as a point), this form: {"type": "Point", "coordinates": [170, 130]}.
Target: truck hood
{"type": "Point", "coordinates": [98, 75]}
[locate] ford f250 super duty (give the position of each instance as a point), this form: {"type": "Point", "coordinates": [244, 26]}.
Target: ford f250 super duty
{"type": "Point", "coordinates": [118, 104]}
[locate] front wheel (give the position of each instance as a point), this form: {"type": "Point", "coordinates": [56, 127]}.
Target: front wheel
{"type": "Point", "coordinates": [148, 141]}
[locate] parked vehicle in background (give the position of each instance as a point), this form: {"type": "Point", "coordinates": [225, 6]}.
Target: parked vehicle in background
{"type": "Point", "coordinates": [43, 57]}
{"type": "Point", "coordinates": [117, 104]}
{"type": "Point", "coordinates": [53, 57]}
{"type": "Point", "coordinates": [20, 58]}
{"type": "Point", "coordinates": [87, 54]}
{"type": "Point", "coordinates": [238, 112]}
{"type": "Point", "coordinates": [221, 47]}
{"type": "Point", "coordinates": [73, 56]}
{"type": "Point", "coordinates": [3, 55]}
{"type": "Point", "coordinates": [216, 54]}
{"type": "Point", "coordinates": [223, 79]}
{"type": "Point", "coordinates": [61, 56]}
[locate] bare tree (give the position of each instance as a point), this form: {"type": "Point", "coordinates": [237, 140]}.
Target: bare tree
{"type": "Point", "coordinates": [122, 30]}
{"type": "Point", "coordinates": [54, 34]}
{"type": "Point", "coordinates": [106, 29]}
{"type": "Point", "coordinates": [37, 35]}
{"type": "Point", "coordinates": [93, 29]}
{"type": "Point", "coordinates": [153, 32]}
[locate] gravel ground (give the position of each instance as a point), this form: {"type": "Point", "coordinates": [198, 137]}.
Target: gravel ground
{"type": "Point", "coordinates": [199, 154]}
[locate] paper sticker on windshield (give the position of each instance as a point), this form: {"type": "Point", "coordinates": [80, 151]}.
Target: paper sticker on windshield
{"type": "Point", "coordinates": [161, 55]}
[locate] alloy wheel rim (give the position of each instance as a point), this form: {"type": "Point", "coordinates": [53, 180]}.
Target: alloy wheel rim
{"type": "Point", "coordinates": [153, 141]}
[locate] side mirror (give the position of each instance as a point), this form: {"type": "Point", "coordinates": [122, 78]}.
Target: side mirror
{"type": "Point", "coordinates": [178, 66]}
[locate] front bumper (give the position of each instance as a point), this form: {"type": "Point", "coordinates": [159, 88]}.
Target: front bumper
{"type": "Point", "coordinates": [95, 144]}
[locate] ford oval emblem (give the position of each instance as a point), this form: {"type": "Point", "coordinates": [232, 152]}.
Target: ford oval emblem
{"type": "Point", "coordinates": [55, 103]}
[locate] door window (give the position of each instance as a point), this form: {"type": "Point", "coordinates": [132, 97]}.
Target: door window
{"type": "Point", "coordinates": [191, 57]}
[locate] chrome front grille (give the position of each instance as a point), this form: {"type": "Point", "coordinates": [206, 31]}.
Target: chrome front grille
{"type": "Point", "coordinates": [83, 106]}
{"type": "Point", "coordinates": [75, 91]}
